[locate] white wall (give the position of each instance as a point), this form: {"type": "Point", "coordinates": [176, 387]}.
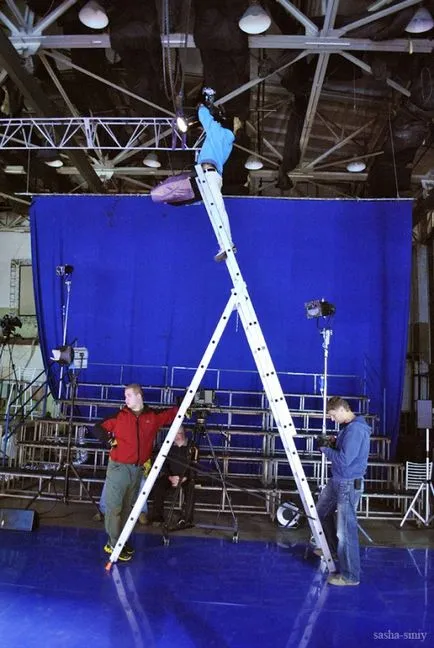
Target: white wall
{"type": "Point", "coordinates": [26, 358]}
{"type": "Point", "coordinates": [13, 245]}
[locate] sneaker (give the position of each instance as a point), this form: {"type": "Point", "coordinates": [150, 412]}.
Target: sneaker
{"type": "Point", "coordinates": [124, 555]}
{"type": "Point", "coordinates": [129, 549]}
{"type": "Point", "coordinates": [338, 579]}
{"type": "Point", "coordinates": [143, 518]}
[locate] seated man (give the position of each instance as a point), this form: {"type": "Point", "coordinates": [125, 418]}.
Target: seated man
{"type": "Point", "coordinates": [177, 472]}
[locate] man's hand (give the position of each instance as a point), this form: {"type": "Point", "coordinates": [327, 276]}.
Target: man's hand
{"type": "Point", "coordinates": [326, 441]}
{"type": "Point", "coordinates": [174, 480]}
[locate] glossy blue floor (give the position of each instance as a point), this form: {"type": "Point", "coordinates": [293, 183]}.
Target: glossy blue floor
{"type": "Point", "coordinates": [205, 592]}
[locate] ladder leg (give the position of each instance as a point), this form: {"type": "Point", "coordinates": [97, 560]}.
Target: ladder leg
{"type": "Point", "coordinates": [158, 463]}
{"type": "Point", "coordinates": [264, 363]}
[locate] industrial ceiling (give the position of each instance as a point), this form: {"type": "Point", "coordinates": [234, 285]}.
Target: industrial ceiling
{"type": "Point", "coordinates": [329, 85]}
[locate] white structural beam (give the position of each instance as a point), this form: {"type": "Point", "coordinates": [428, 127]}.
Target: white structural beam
{"type": "Point", "coordinates": [331, 43]}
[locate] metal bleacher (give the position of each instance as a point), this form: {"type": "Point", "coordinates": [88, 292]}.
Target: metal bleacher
{"type": "Point", "coordinates": [240, 435]}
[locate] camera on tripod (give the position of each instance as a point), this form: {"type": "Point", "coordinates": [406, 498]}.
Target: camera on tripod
{"type": "Point", "coordinates": [8, 325]}
{"type": "Point", "coordinates": [203, 402]}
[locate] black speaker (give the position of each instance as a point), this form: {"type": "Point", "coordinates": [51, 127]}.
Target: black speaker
{"type": "Point", "coordinates": [18, 519]}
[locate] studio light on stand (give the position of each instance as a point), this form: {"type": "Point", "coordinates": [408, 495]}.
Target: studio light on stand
{"type": "Point", "coordinates": [322, 311]}
{"type": "Point", "coordinates": [73, 359]}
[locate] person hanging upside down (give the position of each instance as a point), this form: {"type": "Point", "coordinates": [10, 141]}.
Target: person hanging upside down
{"type": "Point", "coordinates": [216, 149]}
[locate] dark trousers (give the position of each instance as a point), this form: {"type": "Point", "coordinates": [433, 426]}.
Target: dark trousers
{"type": "Point", "coordinates": [161, 486]}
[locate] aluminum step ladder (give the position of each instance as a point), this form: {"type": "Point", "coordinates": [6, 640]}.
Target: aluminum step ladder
{"type": "Point", "coordinates": [239, 301]}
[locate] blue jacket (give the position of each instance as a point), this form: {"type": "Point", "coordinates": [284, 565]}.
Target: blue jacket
{"type": "Point", "coordinates": [218, 142]}
{"type": "Point", "coordinates": [350, 457]}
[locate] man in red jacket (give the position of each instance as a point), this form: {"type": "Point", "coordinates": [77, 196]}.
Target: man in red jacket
{"type": "Point", "coordinates": [130, 433]}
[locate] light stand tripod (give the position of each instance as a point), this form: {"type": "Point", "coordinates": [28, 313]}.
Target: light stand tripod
{"type": "Point", "coordinates": [425, 490]}
{"type": "Point", "coordinates": [8, 325]}
{"type": "Point", "coordinates": [64, 271]}
{"type": "Point", "coordinates": [326, 333]}
{"type": "Point", "coordinates": [66, 466]}
{"type": "Point", "coordinates": [324, 311]}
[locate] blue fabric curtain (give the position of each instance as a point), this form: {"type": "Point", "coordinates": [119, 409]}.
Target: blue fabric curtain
{"type": "Point", "coordinates": [146, 291]}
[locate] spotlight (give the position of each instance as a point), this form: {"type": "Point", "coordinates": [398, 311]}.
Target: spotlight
{"type": "Point", "coordinates": [64, 355]}
{"type": "Point", "coordinates": [288, 516]}
{"type": "Point", "coordinates": [73, 357]}
{"type": "Point", "coordinates": [255, 19]}
{"type": "Point", "coordinates": [93, 15]}
{"type": "Point", "coordinates": [319, 308]}
{"type": "Point", "coordinates": [181, 123]}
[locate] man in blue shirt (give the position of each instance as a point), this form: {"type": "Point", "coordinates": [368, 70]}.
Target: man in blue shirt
{"type": "Point", "coordinates": [338, 502]}
{"type": "Point", "coordinates": [216, 149]}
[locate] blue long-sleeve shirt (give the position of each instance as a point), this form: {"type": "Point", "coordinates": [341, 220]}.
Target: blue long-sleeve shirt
{"type": "Point", "coordinates": [218, 142]}
{"type": "Point", "coordinates": [350, 456]}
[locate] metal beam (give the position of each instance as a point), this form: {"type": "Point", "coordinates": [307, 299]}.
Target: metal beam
{"type": "Point", "coordinates": [254, 82]}
{"type": "Point", "coordinates": [72, 133]}
{"type": "Point", "coordinates": [367, 68]}
{"type": "Point", "coordinates": [51, 17]}
{"type": "Point", "coordinates": [339, 145]}
{"type": "Point", "coordinates": [318, 79]}
{"type": "Point", "coordinates": [66, 60]}
{"type": "Point", "coordinates": [309, 26]}
{"type": "Point", "coordinates": [319, 43]}
{"type": "Point", "coordinates": [13, 8]}
{"type": "Point", "coordinates": [376, 16]}
{"type": "Point", "coordinates": [42, 106]}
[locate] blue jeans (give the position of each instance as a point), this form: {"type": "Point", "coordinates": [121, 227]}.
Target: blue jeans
{"type": "Point", "coordinates": [337, 511]}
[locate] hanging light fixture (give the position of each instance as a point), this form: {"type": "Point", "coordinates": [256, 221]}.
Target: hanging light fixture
{"type": "Point", "coordinates": [253, 163]}
{"type": "Point", "coordinates": [55, 163]}
{"type": "Point", "coordinates": [93, 15]}
{"type": "Point", "coordinates": [422, 21]}
{"type": "Point", "coordinates": [255, 19]}
{"type": "Point", "coordinates": [356, 166]}
{"type": "Point", "coordinates": [151, 160]}
{"type": "Point", "coordinates": [14, 169]}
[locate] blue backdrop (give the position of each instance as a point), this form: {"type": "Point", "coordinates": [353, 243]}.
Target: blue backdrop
{"type": "Point", "coordinates": [145, 289]}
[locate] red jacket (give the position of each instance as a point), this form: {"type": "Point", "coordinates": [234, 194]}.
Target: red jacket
{"type": "Point", "coordinates": [132, 436]}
